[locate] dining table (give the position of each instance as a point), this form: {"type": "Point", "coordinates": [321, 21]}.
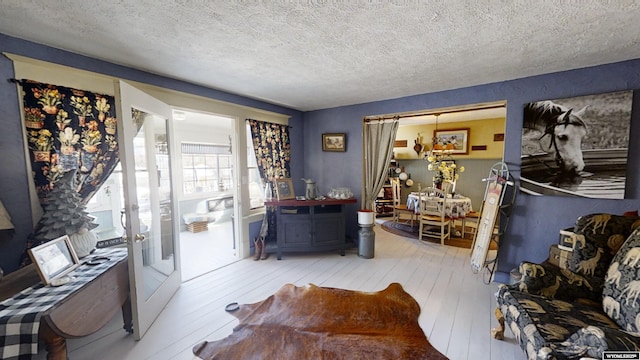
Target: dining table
{"type": "Point", "coordinates": [456, 207]}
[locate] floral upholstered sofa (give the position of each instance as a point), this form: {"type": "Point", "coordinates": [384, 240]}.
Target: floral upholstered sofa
{"type": "Point", "coordinates": [591, 306]}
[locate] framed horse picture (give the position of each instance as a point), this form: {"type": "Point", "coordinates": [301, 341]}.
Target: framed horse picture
{"type": "Point", "coordinates": [577, 146]}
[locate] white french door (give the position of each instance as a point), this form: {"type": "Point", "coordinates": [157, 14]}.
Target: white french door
{"type": "Point", "coordinates": [150, 207]}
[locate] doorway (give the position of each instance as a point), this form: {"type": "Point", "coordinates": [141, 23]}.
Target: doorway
{"type": "Point", "coordinates": [206, 196]}
{"type": "Point", "coordinates": [205, 167]}
{"type": "Point", "coordinates": [484, 127]}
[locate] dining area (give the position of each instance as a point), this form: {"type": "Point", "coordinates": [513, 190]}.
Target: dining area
{"type": "Point", "coordinates": [456, 206]}
{"type": "Point", "coordinates": [436, 210]}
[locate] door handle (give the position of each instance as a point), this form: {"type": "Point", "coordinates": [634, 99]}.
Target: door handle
{"type": "Point", "coordinates": [140, 238]}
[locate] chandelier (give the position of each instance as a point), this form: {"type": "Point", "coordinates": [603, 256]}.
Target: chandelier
{"type": "Point", "coordinates": [437, 151]}
{"type": "Point", "coordinates": [441, 163]}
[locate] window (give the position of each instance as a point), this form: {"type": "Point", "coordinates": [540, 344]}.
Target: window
{"type": "Point", "coordinates": [256, 186]}
{"type": "Point", "coordinates": [206, 168]}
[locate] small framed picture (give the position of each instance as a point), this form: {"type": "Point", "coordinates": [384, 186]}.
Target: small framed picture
{"type": "Point", "coordinates": [54, 259]}
{"type": "Point", "coordinates": [284, 189]}
{"type": "Point", "coordinates": [454, 141]}
{"type": "Point", "coordinates": [334, 142]}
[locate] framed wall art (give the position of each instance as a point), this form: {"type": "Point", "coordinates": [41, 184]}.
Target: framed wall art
{"type": "Point", "coordinates": [334, 142]}
{"type": "Point", "coordinates": [578, 146]}
{"type": "Point", "coordinates": [453, 141]}
{"type": "Point", "coordinates": [54, 259]}
{"type": "Point", "coordinates": [284, 189]}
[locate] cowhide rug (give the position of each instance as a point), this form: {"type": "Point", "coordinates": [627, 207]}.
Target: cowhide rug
{"type": "Point", "coordinates": [312, 322]}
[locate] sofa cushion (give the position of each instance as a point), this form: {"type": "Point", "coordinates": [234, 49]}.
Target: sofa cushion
{"type": "Point", "coordinates": [551, 281]}
{"type": "Point", "coordinates": [622, 285]}
{"type": "Point", "coordinates": [557, 329]}
{"type": "Point", "coordinates": [600, 236]}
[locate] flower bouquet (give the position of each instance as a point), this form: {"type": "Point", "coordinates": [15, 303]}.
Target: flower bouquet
{"type": "Point", "coordinates": [445, 170]}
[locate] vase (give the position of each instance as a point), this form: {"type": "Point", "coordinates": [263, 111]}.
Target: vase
{"type": "Point", "coordinates": [67, 160]}
{"type": "Point", "coordinates": [83, 242]}
{"type": "Point", "coordinates": [50, 109]}
{"type": "Point", "coordinates": [87, 160]}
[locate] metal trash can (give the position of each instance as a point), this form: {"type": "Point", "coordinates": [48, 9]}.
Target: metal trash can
{"type": "Point", "coordinates": [366, 241]}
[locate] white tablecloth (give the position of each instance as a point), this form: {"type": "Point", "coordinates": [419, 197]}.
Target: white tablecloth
{"type": "Point", "coordinates": [456, 207]}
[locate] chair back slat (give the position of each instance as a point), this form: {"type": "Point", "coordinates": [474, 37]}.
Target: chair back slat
{"type": "Point", "coordinates": [432, 202]}
{"type": "Point", "coordinates": [395, 191]}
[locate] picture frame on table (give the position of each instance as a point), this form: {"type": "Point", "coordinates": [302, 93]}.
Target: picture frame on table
{"type": "Point", "coordinates": [284, 189]}
{"type": "Point", "coordinates": [453, 141]}
{"type": "Point", "coordinates": [334, 142]}
{"type": "Point", "coordinates": [54, 259]}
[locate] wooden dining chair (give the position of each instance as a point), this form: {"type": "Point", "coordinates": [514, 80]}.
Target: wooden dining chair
{"type": "Point", "coordinates": [398, 206]}
{"type": "Point", "coordinates": [471, 220]}
{"type": "Point", "coordinates": [433, 220]}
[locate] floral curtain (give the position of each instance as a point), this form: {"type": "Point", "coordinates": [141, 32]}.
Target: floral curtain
{"type": "Point", "coordinates": [272, 148]}
{"type": "Point", "coordinates": [69, 130]}
{"type": "Point", "coordinates": [273, 152]}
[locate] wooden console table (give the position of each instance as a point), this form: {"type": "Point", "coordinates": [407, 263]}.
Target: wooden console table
{"type": "Point", "coordinates": [54, 314]}
{"type": "Point", "coordinates": [310, 225]}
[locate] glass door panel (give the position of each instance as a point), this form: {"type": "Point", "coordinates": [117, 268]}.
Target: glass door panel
{"type": "Point", "coordinates": [149, 204]}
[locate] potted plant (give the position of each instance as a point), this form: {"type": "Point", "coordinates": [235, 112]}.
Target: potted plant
{"type": "Point", "coordinates": [365, 217]}
{"type": "Point", "coordinates": [90, 140]}
{"type": "Point", "coordinates": [49, 99]}
{"type": "Point", "coordinates": [110, 125]}
{"type": "Point", "coordinates": [41, 142]}
{"type": "Point", "coordinates": [68, 139]}
{"type": "Point", "coordinates": [62, 119]}
{"type": "Point", "coordinates": [103, 108]}
{"type": "Point", "coordinates": [81, 107]}
{"type": "Point", "coordinates": [33, 118]}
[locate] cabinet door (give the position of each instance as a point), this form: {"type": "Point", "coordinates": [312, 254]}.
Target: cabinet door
{"type": "Point", "coordinates": [294, 231]}
{"type": "Point", "coordinates": [329, 230]}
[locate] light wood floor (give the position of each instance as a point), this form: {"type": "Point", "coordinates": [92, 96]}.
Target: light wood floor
{"type": "Point", "coordinates": [208, 250]}
{"type": "Point", "coordinates": [457, 307]}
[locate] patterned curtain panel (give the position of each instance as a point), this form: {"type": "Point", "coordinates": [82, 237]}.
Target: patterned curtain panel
{"type": "Point", "coordinates": [69, 130]}
{"type": "Point", "coordinates": [272, 148]}
{"type": "Point", "coordinates": [273, 152]}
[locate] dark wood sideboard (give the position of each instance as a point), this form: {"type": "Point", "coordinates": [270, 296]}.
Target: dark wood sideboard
{"type": "Point", "coordinates": [310, 225]}
{"type": "Point", "coordinates": [82, 313]}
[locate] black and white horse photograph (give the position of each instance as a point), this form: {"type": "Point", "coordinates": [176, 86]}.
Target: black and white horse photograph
{"type": "Point", "coordinates": [577, 146]}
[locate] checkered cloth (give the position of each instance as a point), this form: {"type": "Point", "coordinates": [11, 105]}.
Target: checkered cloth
{"type": "Point", "coordinates": [20, 315]}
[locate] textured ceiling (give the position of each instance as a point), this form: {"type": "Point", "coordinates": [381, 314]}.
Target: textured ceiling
{"type": "Point", "coordinates": [320, 54]}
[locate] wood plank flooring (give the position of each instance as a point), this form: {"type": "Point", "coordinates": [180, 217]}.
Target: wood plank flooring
{"type": "Point", "coordinates": [457, 307]}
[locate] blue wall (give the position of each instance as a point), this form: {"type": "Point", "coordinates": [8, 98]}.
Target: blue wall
{"type": "Point", "coordinates": [535, 222]}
